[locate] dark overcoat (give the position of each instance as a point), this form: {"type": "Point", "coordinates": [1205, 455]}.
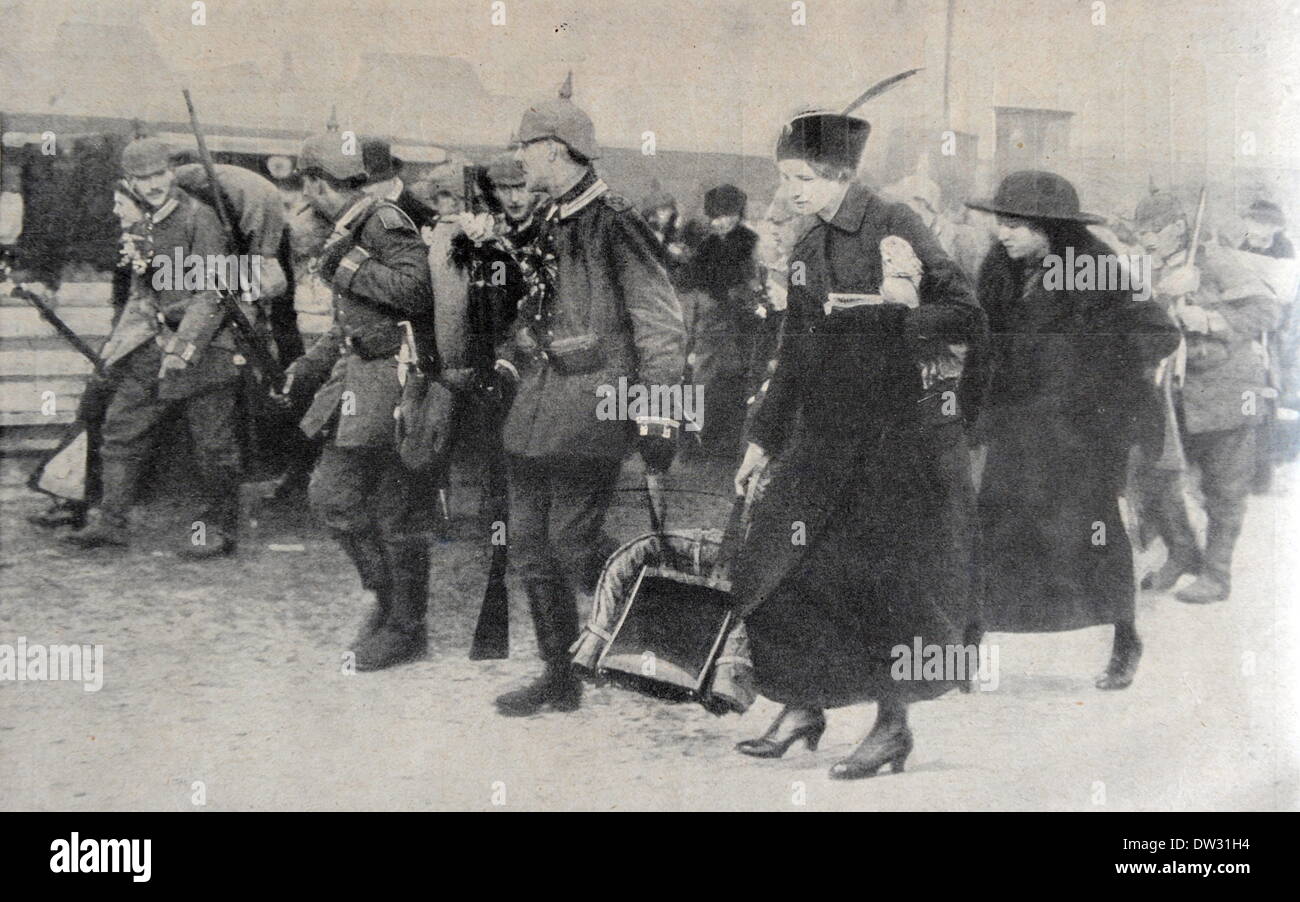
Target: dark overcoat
{"type": "Point", "coordinates": [862, 542]}
{"type": "Point", "coordinates": [613, 314]}
{"type": "Point", "coordinates": [1070, 394]}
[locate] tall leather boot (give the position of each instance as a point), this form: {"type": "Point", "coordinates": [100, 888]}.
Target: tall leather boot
{"type": "Point", "coordinates": [404, 635]}
{"type": "Point", "coordinates": [108, 524]}
{"type": "Point", "coordinates": [555, 617]}
{"type": "Point", "coordinates": [1215, 582]}
{"type": "Point", "coordinates": [221, 516]}
{"type": "Point", "coordinates": [367, 554]}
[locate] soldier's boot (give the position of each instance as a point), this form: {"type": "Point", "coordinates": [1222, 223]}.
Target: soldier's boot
{"type": "Point", "coordinates": [367, 554]}
{"type": "Point", "coordinates": [555, 617]}
{"type": "Point", "coordinates": [60, 513]}
{"type": "Point", "coordinates": [1180, 561]}
{"type": "Point", "coordinates": [108, 525]}
{"type": "Point", "coordinates": [404, 635]}
{"type": "Point", "coordinates": [220, 537]}
{"type": "Point", "coordinates": [103, 529]}
{"type": "Point", "coordinates": [1215, 582]}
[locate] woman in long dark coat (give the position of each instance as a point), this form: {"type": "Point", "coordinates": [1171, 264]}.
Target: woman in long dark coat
{"type": "Point", "coordinates": [1071, 393]}
{"type": "Point", "coordinates": [862, 543]}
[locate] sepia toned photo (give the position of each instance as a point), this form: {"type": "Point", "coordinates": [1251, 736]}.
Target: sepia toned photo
{"type": "Point", "coordinates": [555, 406]}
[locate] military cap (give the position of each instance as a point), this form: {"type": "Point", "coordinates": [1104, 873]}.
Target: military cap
{"type": "Point", "coordinates": [505, 171]}
{"type": "Point", "coordinates": [1157, 210]}
{"type": "Point", "coordinates": [562, 120]}
{"type": "Point", "coordinates": [1266, 212]}
{"type": "Point", "coordinates": [145, 156]}
{"type": "Point", "coordinates": [378, 160]}
{"type": "Point", "coordinates": [824, 137]}
{"type": "Point", "coordinates": [724, 200]}
{"type": "Point", "coordinates": [324, 153]}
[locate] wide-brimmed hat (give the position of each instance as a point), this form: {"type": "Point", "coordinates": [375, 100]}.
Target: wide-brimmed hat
{"type": "Point", "coordinates": [1033, 194]}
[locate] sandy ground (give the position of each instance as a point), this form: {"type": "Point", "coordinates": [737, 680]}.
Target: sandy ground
{"type": "Point", "coordinates": [228, 675]}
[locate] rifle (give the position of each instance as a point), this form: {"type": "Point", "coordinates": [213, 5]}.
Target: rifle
{"type": "Point", "coordinates": [1173, 370]}
{"type": "Point", "coordinates": [47, 313]}
{"type": "Point", "coordinates": [492, 632]}
{"type": "Point", "coordinates": [247, 336]}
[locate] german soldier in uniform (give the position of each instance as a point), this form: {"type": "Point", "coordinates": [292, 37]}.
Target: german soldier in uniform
{"type": "Point", "coordinates": [176, 354]}
{"type": "Point", "coordinates": [1226, 311]}
{"type": "Point", "coordinates": [598, 307]}
{"type": "Point", "coordinates": [376, 507]}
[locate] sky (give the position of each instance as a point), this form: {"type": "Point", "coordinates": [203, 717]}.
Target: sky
{"type": "Point", "coordinates": [722, 74]}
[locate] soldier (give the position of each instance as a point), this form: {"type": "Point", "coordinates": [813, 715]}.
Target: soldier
{"type": "Point", "coordinates": [175, 355]}
{"type": "Point", "coordinates": [598, 307]}
{"type": "Point", "coordinates": [376, 507]}
{"type": "Point", "coordinates": [262, 227]}
{"type": "Point", "coordinates": [494, 289]}
{"type": "Point", "coordinates": [384, 180]}
{"type": "Point", "coordinates": [1225, 310]}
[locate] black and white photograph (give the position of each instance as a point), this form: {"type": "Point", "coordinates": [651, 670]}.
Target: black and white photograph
{"type": "Point", "coordinates": [649, 406]}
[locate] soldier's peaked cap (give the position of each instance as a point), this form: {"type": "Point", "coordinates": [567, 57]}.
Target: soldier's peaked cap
{"type": "Point", "coordinates": [328, 153]}
{"type": "Point", "coordinates": [145, 156]}
{"type": "Point", "coordinates": [504, 171]}
{"type": "Point", "coordinates": [562, 120]}
{"type": "Point", "coordinates": [820, 136]}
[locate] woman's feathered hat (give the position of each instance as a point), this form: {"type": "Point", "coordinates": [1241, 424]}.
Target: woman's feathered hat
{"type": "Point", "coordinates": [823, 136]}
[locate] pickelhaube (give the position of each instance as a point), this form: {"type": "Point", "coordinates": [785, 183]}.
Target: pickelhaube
{"type": "Point", "coordinates": [325, 153]}
{"type": "Point", "coordinates": [1157, 210]}
{"type": "Point", "coordinates": [145, 156]}
{"type": "Point", "coordinates": [562, 120]}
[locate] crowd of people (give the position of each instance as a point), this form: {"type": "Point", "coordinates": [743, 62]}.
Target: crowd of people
{"type": "Point", "coordinates": [956, 438]}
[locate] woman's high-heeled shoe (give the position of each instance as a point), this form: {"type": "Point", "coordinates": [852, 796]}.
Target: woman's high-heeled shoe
{"type": "Point", "coordinates": [775, 743]}
{"type": "Point", "coordinates": [877, 750]}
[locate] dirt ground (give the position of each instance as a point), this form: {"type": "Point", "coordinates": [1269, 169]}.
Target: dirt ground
{"type": "Point", "coordinates": [223, 684]}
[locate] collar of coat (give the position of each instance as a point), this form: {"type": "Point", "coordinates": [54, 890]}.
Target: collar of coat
{"type": "Point", "coordinates": [589, 187]}
{"type": "Point", "coordinates": [168, 207]}
{"type": "Point", "coordinates": [858, 201]}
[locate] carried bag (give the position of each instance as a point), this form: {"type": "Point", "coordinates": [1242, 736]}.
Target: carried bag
{"type": "Point", "coordinates": [663, 622]}
{"type": "Point", "coordinates": [423, 415]}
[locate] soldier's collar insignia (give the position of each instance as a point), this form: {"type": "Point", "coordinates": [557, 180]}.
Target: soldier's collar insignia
{"type": "Point", "coordinates": [595, 190]}
{"type": "Point", "coordinates": [165, 210]}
